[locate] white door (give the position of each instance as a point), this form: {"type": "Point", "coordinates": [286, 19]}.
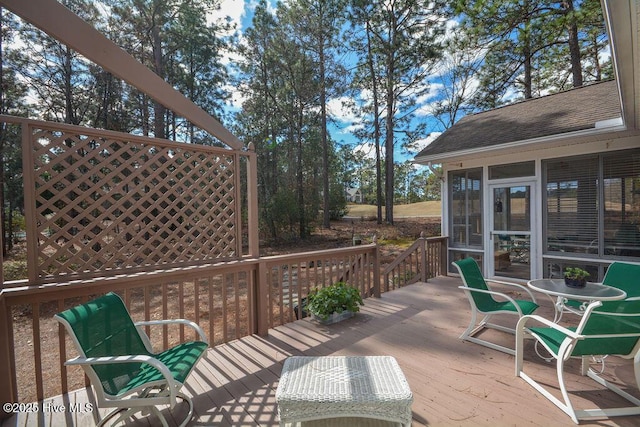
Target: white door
{"type": "Point", "coordinates": [510, 232]}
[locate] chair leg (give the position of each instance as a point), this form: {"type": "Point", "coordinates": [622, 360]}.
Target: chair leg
{"type": "Point", "coordinates": [566, 406]}
{"type": "Point", "coordinates": [126, 413]}
{"type": "Point", "coordinates": [190, 403]}
{"type": "Point", "coordinates": [471, 329]}
{"type": "Point", "coordinates": [560, 404]}
{"type": "Point", "coordinates": [634, 410]}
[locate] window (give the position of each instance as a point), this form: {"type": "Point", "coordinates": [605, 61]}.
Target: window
{"type": "Point", "coordinates": [512, 170]}
{"type": "Point", "coordinates": [593, 205]}
{"type": "Point", "coordinates": [621, 188]}
{"type": "Point", "coordinates": [465, 189]}
{"type": "Point", "coordinates": [572, 205]}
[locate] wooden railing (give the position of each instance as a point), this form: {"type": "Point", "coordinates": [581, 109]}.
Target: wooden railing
{"type": "Point", "coordinates": [424, 259]}
{"type": "Point", "coordinates": [287, 279]}
{"type": "Point", "coordinates": [228, 300]}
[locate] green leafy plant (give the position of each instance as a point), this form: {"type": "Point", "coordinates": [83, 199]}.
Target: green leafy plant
{"type": "Point", "coordinates": [575, 273]}
{"type": "Point", "coordinates": [336, 298]}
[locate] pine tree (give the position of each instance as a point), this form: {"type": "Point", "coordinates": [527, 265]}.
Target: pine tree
{"type": "Point", "coordinates": [12, 102]}
{"type": "Point", "coordinates": [406, 39]}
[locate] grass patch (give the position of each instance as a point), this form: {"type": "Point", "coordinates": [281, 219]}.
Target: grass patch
{"type": "Point", "coordinates": [421, 209]}
{"type": "Point", "coordinates": [403, 242]}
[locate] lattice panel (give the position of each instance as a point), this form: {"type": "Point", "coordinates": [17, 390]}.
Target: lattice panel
{"type": "Point", "coordinates": [108, 204]}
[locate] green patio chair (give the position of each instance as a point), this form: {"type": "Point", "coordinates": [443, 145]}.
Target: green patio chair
{"type": "Point", "coordinates": [483, 301]}
{"type": "Point", "coordinates": [605, 328]}
{"type": "Point", "coordinates": [621, 275]}
{"type": "Point", "coordinates": [625, 276]}
{"type": "Point", "coordinates": [117, 356]}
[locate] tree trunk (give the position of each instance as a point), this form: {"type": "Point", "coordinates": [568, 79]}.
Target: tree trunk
{"type": "Point", "coordinates": [596, 60]}
{"type": "Point", "coordinates": [68, 90]}
{"type": "Point", "coordinates": [528, 69]}
{"type": "Point", "coordinates": [574, 43]}
{"type": "Point", "coordinates": [158, 109]}
{"type": "Point", "coordinates": [302, 215]}
{"type": "Point", "coordinates": [388, 146]}
{"type": "Point", "coordinates": [376, 125]}
{"type": "Point", "coordinates": [2, 144]}
{"type": "Point", "coordinates": [326, 218]}
{"type": "Point", "coordinates": [3, 220]}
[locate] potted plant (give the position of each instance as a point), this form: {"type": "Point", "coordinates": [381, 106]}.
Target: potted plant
{"type": "Point", "coordinates": [575, 277]}
{"type": "Point", "coordinates": [334, 303]}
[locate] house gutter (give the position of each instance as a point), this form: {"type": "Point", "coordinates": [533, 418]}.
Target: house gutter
{"type": "Point", "coordinates": [519, 145]}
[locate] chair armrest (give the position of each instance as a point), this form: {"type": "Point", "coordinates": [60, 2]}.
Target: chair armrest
{"type": "Point", "coordinates": [186, 322]}
{"type": "Point", "coordinates": [500, 294]}
{"type": "Point", "coordinates": [515, 285]}
{"type": "Point", "coordinates": [107, 360]}
{"type": "Point", "coordinates": [549, 323]}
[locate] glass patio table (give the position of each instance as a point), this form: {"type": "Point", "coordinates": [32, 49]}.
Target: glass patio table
{"type": "Point", "coordinates": [590, 292]}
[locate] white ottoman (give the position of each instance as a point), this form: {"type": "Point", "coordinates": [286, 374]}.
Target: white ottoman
{"type": "Point", "coordinates": [312, 388]}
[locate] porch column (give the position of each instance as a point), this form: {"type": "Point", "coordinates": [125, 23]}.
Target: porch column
{"type": "Point", "coordinates": [444, 265]}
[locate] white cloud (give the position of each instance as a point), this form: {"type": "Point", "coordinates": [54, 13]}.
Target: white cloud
{"type": "Point", "coordinates": [237, 97]}
{"type": "Point", "coordinates": [426, 100]}
{"type": "Point", "coordinates": [340, 110]}
{"type": "Point", "coordinates": [511, 95]}
{"type": "Point", "coordinates": [367, 149]}
{"type": "Point", "coordinates": [422, 143]}
{"type": "Point", "coordinates": [234, 10]}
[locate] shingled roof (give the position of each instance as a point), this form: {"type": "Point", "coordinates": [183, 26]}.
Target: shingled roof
{"type": "Point", "coordinates": [573, 110]}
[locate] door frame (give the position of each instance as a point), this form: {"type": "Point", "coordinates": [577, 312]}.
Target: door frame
{"type": "Point", "coordinates": [534, 239]}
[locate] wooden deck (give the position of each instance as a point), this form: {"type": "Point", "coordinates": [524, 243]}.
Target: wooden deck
{"type": "Point", "coordinates": [454, 383]}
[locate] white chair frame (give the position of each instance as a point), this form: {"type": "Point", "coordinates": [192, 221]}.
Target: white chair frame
{"type": "Point", "coordinates": [564, 354]}
{"type": "Point", "coordinates": [475, 328]}
{"type": "Point", "coordinates": [142, 399]}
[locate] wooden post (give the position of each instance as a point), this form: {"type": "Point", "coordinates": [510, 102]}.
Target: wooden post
{"type": "Point", "coordinates": [252, 205]}
{"type": "Point", "coordinates": [424, 273]}
{"type": "Point", "coordinates": [376, 269]}
{"type": "Point", "coordinates": [262, 299]}
{"type": "Point", "coordinates": [29, 204]}
{"type": "Point", "coordinates": [8, 393]}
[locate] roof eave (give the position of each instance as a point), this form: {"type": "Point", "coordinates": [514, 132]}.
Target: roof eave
{"type": "Point", "coordinates": [515, 145]}
{"type": "Point", "coordinates": [621, 26]}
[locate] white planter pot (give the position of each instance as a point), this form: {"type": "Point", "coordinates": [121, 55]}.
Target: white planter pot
{"type": "Point", "coordinates": [335, 317]}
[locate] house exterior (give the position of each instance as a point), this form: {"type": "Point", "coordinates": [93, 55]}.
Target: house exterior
{"type": "Point", "coordinates": [552, 182]}
{"type": "Point", "coordinates": [353, 195]}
